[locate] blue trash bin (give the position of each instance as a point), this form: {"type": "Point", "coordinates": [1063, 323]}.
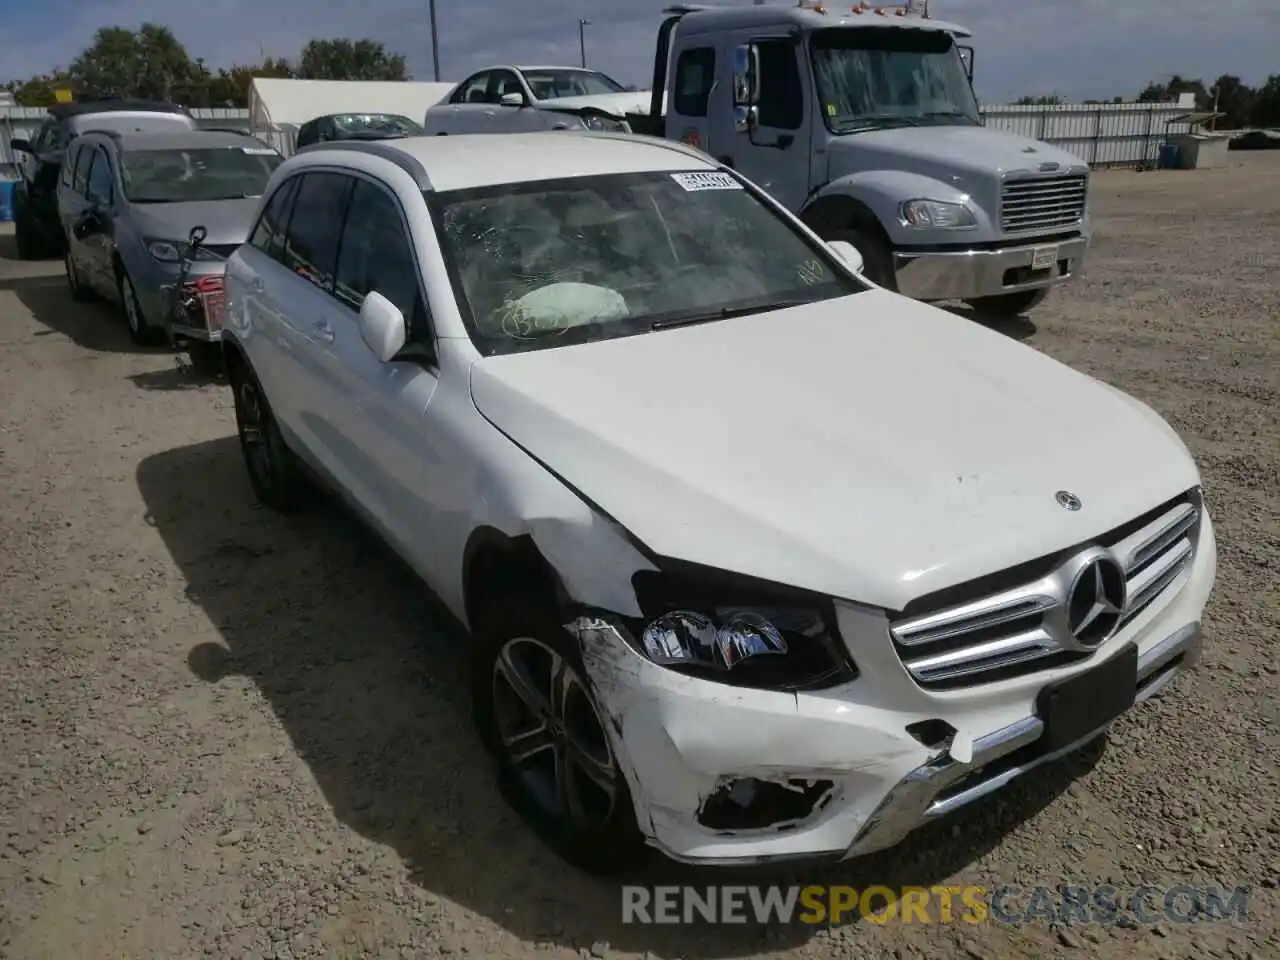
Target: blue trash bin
{"type": "Point", "coordinates": [1170, 156]}
{"type": "Point", "coordinates": [6, 200]}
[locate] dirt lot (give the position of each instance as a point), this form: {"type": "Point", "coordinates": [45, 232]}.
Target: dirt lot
{"type": "Point", "coordinates": [227, 734]}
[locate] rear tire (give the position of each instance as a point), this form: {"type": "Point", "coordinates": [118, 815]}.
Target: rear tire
{"type": "Point", "coordinates": [79, 292]}
{"type": "Point", "coordinates": [274, 474]}
{"type": "Point", "coordinates": [877, 258]}
{"type": "Point", "coordinates": [1009, 305]}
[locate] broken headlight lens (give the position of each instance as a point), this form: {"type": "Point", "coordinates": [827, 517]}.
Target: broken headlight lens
{"type": "Point", "coordinates": [762, 647]}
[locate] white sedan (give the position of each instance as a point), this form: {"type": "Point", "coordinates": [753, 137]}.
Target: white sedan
{"type": "Point", "coordinates": [760, 561]}
{"type": "Point", "coordinates": [507, 99]}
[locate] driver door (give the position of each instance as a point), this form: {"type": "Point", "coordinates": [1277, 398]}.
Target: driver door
{"type": "Point", "coordinates": [99, 200]}
{"type": "Point", "coordinates": [774, 153]}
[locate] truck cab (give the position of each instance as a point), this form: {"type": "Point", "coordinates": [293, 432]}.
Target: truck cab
{"type": "Point", "coordinates": [864, 122]}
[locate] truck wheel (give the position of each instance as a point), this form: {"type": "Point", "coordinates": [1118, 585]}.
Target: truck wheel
{"type": "Point", "coordinates": [877, 260]}
{"type": "Point", "coordinates": [1009, 304]}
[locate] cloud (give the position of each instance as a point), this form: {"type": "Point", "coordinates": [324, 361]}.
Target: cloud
{"type": "Point", "coordinates": [1085, 48]}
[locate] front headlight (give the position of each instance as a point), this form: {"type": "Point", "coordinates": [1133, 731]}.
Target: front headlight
{"type": "Point", "coordinates": [775, 642]}
{"type": "Point", "coordinates": [937, 215]}
{"type": "Point", "coordinates": [606, 124]}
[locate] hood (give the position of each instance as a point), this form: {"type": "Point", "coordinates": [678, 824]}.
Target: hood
{"type": "Point", "coordinates": [977, 151]}
{"type": "Point", "coordinates": [872, 448]}
{"type": "Point", "coordinates": [636, 101]}
{"type": "Point", "coordinates": [228, 221]}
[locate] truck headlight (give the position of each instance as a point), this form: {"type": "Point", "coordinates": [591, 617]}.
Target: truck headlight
{"type": "Point", "coordinates": [937, 215]}
{"type": "Point", "coordinates": [606, 124]}
{"type": "Point", "coordinates": [780, 643]}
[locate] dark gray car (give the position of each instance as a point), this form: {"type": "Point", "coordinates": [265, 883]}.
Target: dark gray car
{"type": "Point", "coordinates": [128, 202]}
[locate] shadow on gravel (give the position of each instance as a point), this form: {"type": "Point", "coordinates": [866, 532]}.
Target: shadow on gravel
{"type": "Point", "coordinates": [182, 376]}
{"type": "Point", "coordinates": [1016, 328]}
{"type": "Point", "coordinates": [368, 678]}
{"type": "Point", "coordinates": [96, 325]}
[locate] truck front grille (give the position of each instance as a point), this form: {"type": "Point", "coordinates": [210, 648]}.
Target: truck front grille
{"type": "Point", "coordinates": [1044, 203]}
{"type": "Point", "coordinates": [1021, 630]}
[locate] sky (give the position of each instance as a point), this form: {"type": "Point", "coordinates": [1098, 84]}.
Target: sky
{"type": "Point", "coordinates": [1081, 49]}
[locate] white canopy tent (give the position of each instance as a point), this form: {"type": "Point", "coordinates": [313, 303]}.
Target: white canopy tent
{"type": "Point", "coordinates": [277, 107]}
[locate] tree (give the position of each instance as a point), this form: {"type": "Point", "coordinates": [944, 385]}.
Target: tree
{"type": "Point", "coordinates": [1176, 85]}
{"type": "Point", "coordinates": [1042, 100]}
{"type": "Point", "coordinates": [149, 63]}
{"type": "Point", "coordinates": [1266, 107]}
{"type": "Point", "coordinates": [39, 91]}
{"type": "Point", "coordinates": [342, 59]}
{"type": "Point", "coordinates": [1235, 101]}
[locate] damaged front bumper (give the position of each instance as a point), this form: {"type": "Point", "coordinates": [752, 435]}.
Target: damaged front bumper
{"type": "Point", "coordinates": [723, 775]}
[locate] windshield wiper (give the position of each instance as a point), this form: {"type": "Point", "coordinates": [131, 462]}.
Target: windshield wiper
{"type": "Point", "coordinates": [951, 115]}
{"type": "Point", "coordinates": [879, 122]}
{"type": "Point", "coordinates": [725, 313]}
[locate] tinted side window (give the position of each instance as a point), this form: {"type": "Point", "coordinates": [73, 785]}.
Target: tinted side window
{"type": "Point", "coordinates": [99, 186]}
{"type": "Point", "coordinates": [376, 254]}
{"type": "Point", "coordinates": [311, 248]}
{"type": "Point", "coordinates": [80, 177]}
{"type": "Point", "coordinates": [473, 91]}
{"type": "Point", "coordinates": [695, 72]}
{"type": "Point", "coordinates": [781, 94]}
{"type": "Point", "coordinates": [268, 235]}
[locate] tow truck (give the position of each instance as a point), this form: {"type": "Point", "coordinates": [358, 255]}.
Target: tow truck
{"type": "Point", "coordinates": [863, 120]}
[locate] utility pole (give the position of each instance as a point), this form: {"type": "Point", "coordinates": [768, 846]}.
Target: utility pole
{"type": "Point", "coordinates": [582, 41]}
{"type": "Point", "coordinates": [435, 42]}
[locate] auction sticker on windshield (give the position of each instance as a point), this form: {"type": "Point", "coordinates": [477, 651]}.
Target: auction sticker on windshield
{"type": "Point", "coordinates": [706, 181]}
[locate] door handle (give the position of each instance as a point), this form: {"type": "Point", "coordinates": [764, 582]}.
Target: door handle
{"type": "Point", "coordinates": [323, 332]}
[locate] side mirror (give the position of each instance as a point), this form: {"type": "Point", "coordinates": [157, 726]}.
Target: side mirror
{"type": "Point", "coordinates": [512, 100]}
{"type": "Point", "coordinates": [88, 225]}
{"type": "Point", "coordinates": [746, 75]}
{"type": "Point", "coordinates": [20, 145]}
{"type": "Point", "coordinates": [847, 252]}
{"type": "Point", "coordinates": [745, 118]}
{"type": "Point", "coordinates": [382, 326]}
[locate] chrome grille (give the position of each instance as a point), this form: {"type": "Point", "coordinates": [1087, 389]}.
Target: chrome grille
{"type": "Point", "coordinates": [1023, 629]}
{"type": "Point", "coordinates": [1043, 203]}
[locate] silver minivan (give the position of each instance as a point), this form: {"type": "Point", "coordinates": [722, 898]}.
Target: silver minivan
{"type": "Point", "coordinates": [128, 203]}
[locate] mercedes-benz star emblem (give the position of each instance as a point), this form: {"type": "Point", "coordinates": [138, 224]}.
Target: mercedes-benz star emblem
{"type": "Point", "coordinates": [1067, 499]}
{"type": "Point", "coordinates": [1095, 601]}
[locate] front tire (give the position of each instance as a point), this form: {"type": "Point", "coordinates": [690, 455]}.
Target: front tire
{"type": "Point", "coordinates": [274, 474]}
{"type": "Point", "coordinates": [535, 711]}
{"type": "Point", "coordinates": [1009, 305]}
{"type": "Point", "coordinates": [877, 258]}
{"type": "Point", "coordinates": [140, 332]}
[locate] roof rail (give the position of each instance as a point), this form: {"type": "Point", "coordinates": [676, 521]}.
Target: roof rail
{"type": "Point", "coordinates": [376, 148]}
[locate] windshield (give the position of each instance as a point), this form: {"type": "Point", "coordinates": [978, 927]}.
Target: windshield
{"type": "Point", "coordinates": [380, 125]}
{"type": "Point", "coordinates": [554, 262]}
{"type": "Point", "coordinates": [554, 84]}
{"type": "Point", "coordinates": [190, 175]}
{"type": "Point", "coordinates": [870, 78]}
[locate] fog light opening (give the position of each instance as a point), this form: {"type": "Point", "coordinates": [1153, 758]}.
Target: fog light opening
{"type": "Point", "coordinates": [934, 734]}
{"type": "Point", "coordinates": [747, 803]}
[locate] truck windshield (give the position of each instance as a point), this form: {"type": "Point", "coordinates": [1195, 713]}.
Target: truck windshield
{"type": "Point", "coordinates": [555, 262]}
{"type": "Point", "coordinates": [554, 84]}
{"type": "Point", "coordinates": [871, 78]}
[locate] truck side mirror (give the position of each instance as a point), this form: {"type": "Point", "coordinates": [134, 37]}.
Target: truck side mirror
{"type": "Point", "coordinates": [746, 75]}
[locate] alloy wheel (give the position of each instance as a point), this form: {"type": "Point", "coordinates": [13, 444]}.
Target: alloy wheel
{"type": "Point", "coordinates": [131, 311]}
{"type": "Point", "coordinates": [551, 733]}
{"type": "Point", "coordinates": [251, 421]}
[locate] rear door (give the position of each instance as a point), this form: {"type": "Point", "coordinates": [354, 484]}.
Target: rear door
{"type": "Point", "coordinates": [257, 285]}
{"type": "Point", "coordinates": [465, 111]}
{"type": "Point", "coordinates": [307, 311]}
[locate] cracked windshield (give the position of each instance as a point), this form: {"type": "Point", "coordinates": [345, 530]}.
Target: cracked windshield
{"type": "Point", "coordinates": [188, 176]}
{"type": "Point", "coordinates": [557, 262]}
{"type": "Point", "coordinates": [878, 78]}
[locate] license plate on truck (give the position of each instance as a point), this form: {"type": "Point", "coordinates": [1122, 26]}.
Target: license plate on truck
{"type": "Point", "coordinates": [1043, 258]}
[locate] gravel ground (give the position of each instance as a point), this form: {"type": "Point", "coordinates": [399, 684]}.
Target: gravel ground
{"type": "Point", "coordinates": [228, 734]}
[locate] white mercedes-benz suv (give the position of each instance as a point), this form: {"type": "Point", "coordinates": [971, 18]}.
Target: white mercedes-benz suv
{"type": "Point", "coordinates": [760, 561]}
